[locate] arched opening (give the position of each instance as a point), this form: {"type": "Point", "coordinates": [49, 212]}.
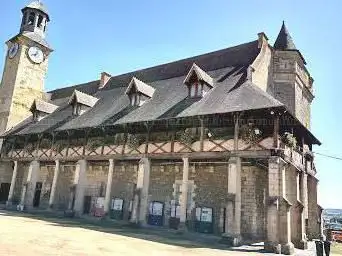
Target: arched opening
{"type": "Point", "coordinates": [40, 21]}
{"type": "Point", "coordinates": [24, 19]}
{"type": "Point", "coordinates": [31, 18]}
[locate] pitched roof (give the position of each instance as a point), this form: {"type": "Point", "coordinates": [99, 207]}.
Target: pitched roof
{"type": "Point", "coordinates": [43, 106]}
{"type": "Point", "coordinates": [83, 98]}
{"type": "Point", "coordinates": [284, 40]}
{"type": "Point", "coordinates": [232, 91]}
{"type": "Point", "coordinates": [201, 75]}
{"type": "Point", "coordinates": [140, 87]}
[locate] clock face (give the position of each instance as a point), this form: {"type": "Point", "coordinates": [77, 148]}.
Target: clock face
{"type": "Point", "coordinates": [36, 55]}
{"type": "Point", "coordinates": [13, 50]}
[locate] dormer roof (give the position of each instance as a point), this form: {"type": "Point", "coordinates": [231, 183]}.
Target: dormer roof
{"type": "Point", "coordinates": [82, 98]}
{"type": "Point", "coordinates": [140, 87]}
{"type": "Point", "coordinates": [201, 75]}
{"type": "Point", "coordinates": [43, 106]}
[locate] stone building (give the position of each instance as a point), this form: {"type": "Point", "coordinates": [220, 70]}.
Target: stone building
{"type": "Point", "coordinates": [218, 143]}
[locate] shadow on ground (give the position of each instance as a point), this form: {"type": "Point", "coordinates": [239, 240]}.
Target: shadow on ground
{"type": "Point", "coordinates": [159, 235]}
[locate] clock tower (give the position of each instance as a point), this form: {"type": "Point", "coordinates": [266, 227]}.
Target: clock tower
{"type": "Point", "coordinates": [25, 67]}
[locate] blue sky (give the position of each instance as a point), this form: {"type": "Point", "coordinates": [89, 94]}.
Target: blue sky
{"type": "Point", "coordinates": [118, 36]}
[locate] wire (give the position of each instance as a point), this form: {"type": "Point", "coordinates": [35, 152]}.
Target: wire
{"type": "Point", "coordinates": [333, 157]}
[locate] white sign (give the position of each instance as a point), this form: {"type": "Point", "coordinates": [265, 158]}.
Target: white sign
{"type": "Point", "coordinates": [204, 214]}
{"type": "Point", "coordinates": [175, 211]}
{"type": "Point", "coordinates": [117, 204]}
{"type": "Point", "coordinates": [156, 208]}
{"type": "Point", "coordinates": [99, 202]}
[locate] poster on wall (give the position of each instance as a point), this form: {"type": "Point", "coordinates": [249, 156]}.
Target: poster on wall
{"type": "Point", "coordinates": [156, 208]}
{"type": "Point", "coordinates": [99, 202]}
{"type": "Point", "coordinates": [117, 204]}
{"type": "Point", "coordinates": [204, 214]}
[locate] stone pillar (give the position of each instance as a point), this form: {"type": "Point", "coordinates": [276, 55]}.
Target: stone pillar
{"type": "Point", "coordinates": [301, 241]}
{"type": "Point", "coordinates": [278, 210]}
{"type": "Point", "coordinates": [14, 177]}
{"type": "Point", "coordinates": [304, 195]}
{"type": "Point", "coordinates": [287, 246]}
{"type": "Point", "coordinates": [232, 233]}
{"type": "Point", "coordinates": [29, 188]}
{"type": "Point", "coordinates": [184, 194]}
{"type": "Point", "coordinates": [109, 185]}
{"type": "Point", "coordinates": [54, 184]}
{"type": "Point", "coordinates": [80, 183]}
{"type": "Point", "coordinates": [140, 202]}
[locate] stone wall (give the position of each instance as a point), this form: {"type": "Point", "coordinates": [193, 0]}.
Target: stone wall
{"type": "Point", "coordinates": [124, 181]}
{"type": "Point", "coordinates": [64, 183]}
{"type": "Point", "coordinates": [20, 181]}
{"type": "Point", "coordinates": [253, 209]}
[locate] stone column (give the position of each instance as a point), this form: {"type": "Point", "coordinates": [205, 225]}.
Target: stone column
{"type": "Point", "coordinates": [30, 186]}
{"type": "Point", "coordinates": [304, 195]}
{"type": "Point", "coordinates": [14, 177]}
{"type": "Point", "coordinates": [184, 194]}
{"type": "Point", "coordinates": [278, 209]}
{"type": "Point", "coordinates": [140, 203]}
{"type": "Point", "coordinates": [287, 246]}
{"type": "Point", "coordinates": [54, 184]}
{"type": "Point", "coordinates": [232, 234]}
{"type": "Point", "coordinates": [301, 241]}
{"type": "Point", "coordinates": [109, 186]}
{"type": "Point", "coordinates": [80, 183]}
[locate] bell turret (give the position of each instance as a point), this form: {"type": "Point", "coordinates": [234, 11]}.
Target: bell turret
{"type": "Point", "coordinates": [35, 18]}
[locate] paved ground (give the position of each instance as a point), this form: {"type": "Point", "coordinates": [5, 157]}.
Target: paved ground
{"type": "Point", "coordinates": [32, 235]}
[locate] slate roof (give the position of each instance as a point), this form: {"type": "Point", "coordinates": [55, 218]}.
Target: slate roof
{"type": "Point", "coordinates": [201, 75]}
{"type": "Point", "coordinates": [141, 87]}
{"type": "Point", "coordinates": [83, 98]}
{"type": "Point", "coordinates": [232, 91]}
{"type": "Point", "coordinates": [43, 106]}
{"type": "Point", "coordinates": [34, 37]}
{"type": "Point", "coordinates": [284, 40]}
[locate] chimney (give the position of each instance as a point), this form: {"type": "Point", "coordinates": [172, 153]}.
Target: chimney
{"type": "Point", "coordinates": [263, 39]}
{"type": "Point", "coordinates": [104, 79]}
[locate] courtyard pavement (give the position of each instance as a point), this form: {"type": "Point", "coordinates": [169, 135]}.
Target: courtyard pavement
{"type": "Point", "coordinates": [25, 234]}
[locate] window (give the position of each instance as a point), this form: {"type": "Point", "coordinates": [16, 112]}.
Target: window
{"type": "Point", "coordinates": [40, 21]}
{"type": "Point", "coordinates": [32, 16]}
{"type": "Point", "coordinates": [79, 109]}
{"type": "Point", "coordinates": [37, 116]}
{"type": "Point", "coordinates": [196, 90]}
{"type": "Point", "coordinates": [135, 99]}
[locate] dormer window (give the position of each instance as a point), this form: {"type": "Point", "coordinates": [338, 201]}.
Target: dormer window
{"type": "Point", "coordinates": [81, 102]}
{"type": "Point", "coordinates": [41, 109]}
{"type": "Point", "coordinates": [198, 82]}
{"type": "Point", "coordinates": [139, 92]}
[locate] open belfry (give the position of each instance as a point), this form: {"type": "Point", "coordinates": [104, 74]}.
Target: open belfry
{"type": "Point", "coordinates": [218, 143]}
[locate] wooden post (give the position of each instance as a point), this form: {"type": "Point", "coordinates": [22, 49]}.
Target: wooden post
{"type": "Point", "coordinates": [125, 139]}
{"type": "Point", "coordinates": [202, 134]}
{"type": "Point", "coordinates": [87, 131]}
{"type": "Point", "coordinates": [276, 131]}
{"type": "Point", "coordinates": [236, 131]}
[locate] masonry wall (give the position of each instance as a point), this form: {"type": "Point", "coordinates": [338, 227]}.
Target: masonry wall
{"type": "Point", "coordinates": [123, 184]}
{"type": "Point", "coordinates": [253, 209]}
{"type": "Point", "coordinates": [64, 183]}
{"type": "Point", "coordinates": [45, 177]}
{"type": "Point", "coordinates": [20, 181]}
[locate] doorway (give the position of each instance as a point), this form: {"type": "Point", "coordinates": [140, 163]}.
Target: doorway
{"type": "Point", "coordinates": [37, 193]}
{"type": "Point", "coordinates": [87, 205]}
{"type": "Point", "coordinates": [4, 191]}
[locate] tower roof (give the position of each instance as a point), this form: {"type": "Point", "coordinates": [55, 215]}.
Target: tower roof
{"type": "Point", "coordinates": [284, 40]}
{"type": "Point", "coordinates": [38, 5]}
